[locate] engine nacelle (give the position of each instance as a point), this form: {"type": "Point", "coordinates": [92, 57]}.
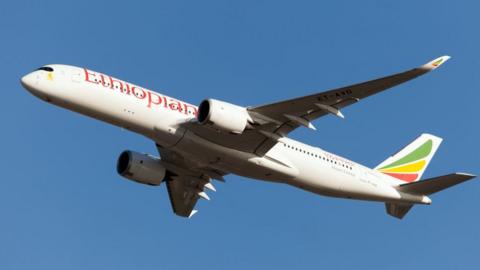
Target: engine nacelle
{"type": "Point", "coordinates": [223, 116]}
{"type": "Point", "coordinates": [141, 168]}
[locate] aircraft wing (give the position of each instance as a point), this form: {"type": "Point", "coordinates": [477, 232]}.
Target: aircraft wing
{"type": "Point", "coordinates": [182, 198]}
{"type": "Point", "coordinates": [185, 182]}
{"type": "Point", "coordinates": [276, 120]}
{"type": "Point", "coordinates": [292, 113]}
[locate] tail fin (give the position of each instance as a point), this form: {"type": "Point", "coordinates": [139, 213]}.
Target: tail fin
{"type": "Point", "coordinates": [425, 187]}
{"type": "Point", "coordinates": [409, 163]}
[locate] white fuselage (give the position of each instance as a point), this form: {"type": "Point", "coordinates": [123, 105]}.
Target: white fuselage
{"type": "Point", "coordinates": [158, 117]}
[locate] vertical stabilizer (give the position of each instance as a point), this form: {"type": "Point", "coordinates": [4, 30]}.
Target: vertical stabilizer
{"type": "Point", "coordinates": [409, 163]}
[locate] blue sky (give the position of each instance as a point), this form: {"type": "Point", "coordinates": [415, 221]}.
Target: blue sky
{"type": "Point", "coordinates": [63, 206]}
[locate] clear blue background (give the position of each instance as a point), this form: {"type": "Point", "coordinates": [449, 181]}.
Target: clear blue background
{"type": "Point", "coordinates": [63, 206]}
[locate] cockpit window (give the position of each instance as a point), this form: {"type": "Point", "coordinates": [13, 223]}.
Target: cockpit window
{"type": "Point", "coordinates": [49, 69]}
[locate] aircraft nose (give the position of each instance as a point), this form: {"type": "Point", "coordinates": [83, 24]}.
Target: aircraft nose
{"type": "Point", "coordinates": [28, 81]}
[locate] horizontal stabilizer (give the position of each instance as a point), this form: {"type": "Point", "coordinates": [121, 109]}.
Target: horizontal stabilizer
{"type": "Point", "coordinates": [432, 185]}
{"type": "Point", "coordinates": [425, 187]}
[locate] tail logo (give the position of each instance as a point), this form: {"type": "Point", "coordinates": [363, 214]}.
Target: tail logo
{"type": "Point", "coordinates": [438, 62]}
{"type": "Point", "coordinates": [408, 167]}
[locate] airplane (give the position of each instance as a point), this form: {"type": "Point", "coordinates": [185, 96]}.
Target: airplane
{"type": "Point", "coordinates": [199, 144]}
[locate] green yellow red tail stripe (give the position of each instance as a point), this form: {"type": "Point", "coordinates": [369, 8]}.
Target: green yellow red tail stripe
{"type": "Point", "coordinates": [409, 167]}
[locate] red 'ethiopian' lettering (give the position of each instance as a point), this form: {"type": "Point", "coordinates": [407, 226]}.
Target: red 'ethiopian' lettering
{"type": "Point", "coordinates": [115, 82]}
{"type": "Point", "coordinates": [127, 89]}
{"type": "Point", "coordinates": [189, 108]}
{"type": "Point", "coordinates": [136, 94]}
{"type": "Point", "coordinates": [89, 74]}
{"type": "Point", "coordinates": [103, 79]}
{"type": "Point", "coordinates": [175, 105]}
{"type": "Point", "coordinates": [153, 99]}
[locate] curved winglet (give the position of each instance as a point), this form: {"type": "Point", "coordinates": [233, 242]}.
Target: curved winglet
{"type": "Point", "coordinates": [436, 62]}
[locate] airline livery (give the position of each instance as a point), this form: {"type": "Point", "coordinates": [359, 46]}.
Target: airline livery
{"type": "Point", "coordinates": [198, 144]}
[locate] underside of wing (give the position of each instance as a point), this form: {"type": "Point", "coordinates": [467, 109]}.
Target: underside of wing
{"type": "Point", "coordinates": [313, 106]}
{"type": "Point", "coordinates": [292, 113]}
{"type": "Point", "coordinates": [181, 198]}
{"type": "Point", "coordinates": [268, 123]}
{"type": "Point", "coordinates": [186, 184]}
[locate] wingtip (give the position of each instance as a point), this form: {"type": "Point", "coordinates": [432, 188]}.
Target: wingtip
{"type": "Point", "coordinates": [469, 175]}
{"type": "Point", "coordinates": [435, 63]}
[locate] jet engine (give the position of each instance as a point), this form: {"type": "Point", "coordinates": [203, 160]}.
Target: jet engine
{"type": "Point", "coordinates": [223, 116]}
{"type": "Point", "coordinates": [141, 168]}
